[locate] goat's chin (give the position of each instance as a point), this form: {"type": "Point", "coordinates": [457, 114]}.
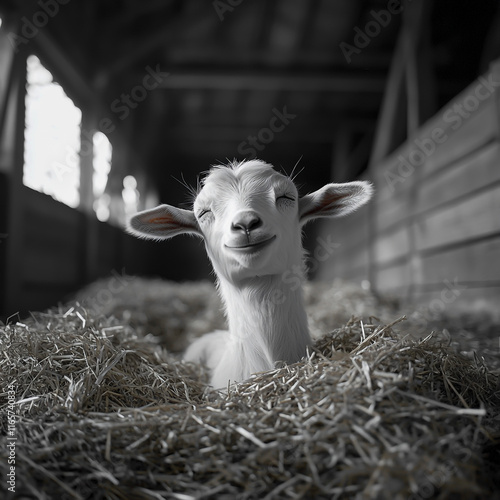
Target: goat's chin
{"type": "Point", "coordinates": [241, 266]}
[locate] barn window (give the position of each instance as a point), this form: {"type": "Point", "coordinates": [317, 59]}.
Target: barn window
{"type": "Point", "coordinates": [103, 152]}
{"type": "Point", "coordinates": [52, 137]}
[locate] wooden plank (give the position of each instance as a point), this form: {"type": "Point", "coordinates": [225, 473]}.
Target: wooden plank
{"type": "Point", "coordinates": [48, 266]}
{"type": "Point", "coordinates": [350, 231]}
{"type": "Point", "coordinates": [39, 231]}
{"type": "Point", "coordinates": [354, 269]}
{"type": "Point", "coordinates": [393, 278]}
{"type": "Point", "coordinates": [353, 260]}
{"type": "Point", "coordinates": [6, 65]}
{"type": "Point", "coordinates": [473, 217]}
{"type": "Point", "coordinates": [479, 262]}
{"type": "Point", "coordinates": [350, 236]}
{"type": "Point", "coordinates": [391, 212]}
{"type": "Point", "coordinates": [394, 177]}
{"type": "Point", "coordinates": [108, 249]}
{"type": "Point", "coordinates": [355, 274]}
{"type": "Point", "coordinates": [458, 301]}
{"type": "Point", "coordinates": [40, 298]}
{"type": "Point", "coordinates": [392, 246]}
{"type": "Point", "coordinates": [473, 172]}
{"type": "Point", "coordinates": [44, 207]}
{"type": "Point", "coordinates": [450, 135]}
{"type": "Point", "coordinates": [463, 135]}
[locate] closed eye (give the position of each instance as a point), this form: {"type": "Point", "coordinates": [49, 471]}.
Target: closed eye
{"type": "Point", "coordinates": [285, 197]}
{"type": "Point", "coordinates": [204, 212]}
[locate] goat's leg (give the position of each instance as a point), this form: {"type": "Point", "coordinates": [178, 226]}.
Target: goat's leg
{"type": "Point", "coordinates": [208, 349]}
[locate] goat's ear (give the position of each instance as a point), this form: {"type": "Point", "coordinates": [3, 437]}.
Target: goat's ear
{"type": "Point", "coordinates": [334, 200]}
{"type": "Point", "coordinates": [163, 222]}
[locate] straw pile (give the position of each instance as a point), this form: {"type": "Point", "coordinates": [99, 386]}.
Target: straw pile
{"type": "Point", "coordinates": [103, 410]}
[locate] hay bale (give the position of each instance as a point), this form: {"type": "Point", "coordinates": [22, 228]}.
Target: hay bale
{"type": "Point", "coordinates": [105, 411]}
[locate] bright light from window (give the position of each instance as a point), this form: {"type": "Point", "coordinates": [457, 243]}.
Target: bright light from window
{"type": "Point", "coordinates": [103, 152]}
{"type": "Point", "coordinates": [1, 22]}
{"type": "Point", "coordinates": [101, 207]}
{"type": "Point", "coordinates": [52, 137]}
{"type": "Point", "coordinates": [130, 194]}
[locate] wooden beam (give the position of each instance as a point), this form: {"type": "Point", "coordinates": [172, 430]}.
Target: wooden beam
{"type": "Point", "coordinates": [189, 56]}
{"type": "Point", "coordinates": [6, 64]}
{"type": "Point", "coordinates": [66, 72]}
{"type": "Point", "coordinates": [267, 81]}
{"type": "Point", "coordinates": [303, 133]}
{"type": "Point", "coordinates": [140, 49]}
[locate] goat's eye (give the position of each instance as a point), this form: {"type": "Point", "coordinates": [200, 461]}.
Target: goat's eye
{"type": "Point", "coordinates": [203, 213]}
{"type": "Point", "coordinates": [285, 199]}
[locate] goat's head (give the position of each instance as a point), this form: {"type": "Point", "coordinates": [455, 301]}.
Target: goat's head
{"type": "Point", "coordinates": [250, 217]}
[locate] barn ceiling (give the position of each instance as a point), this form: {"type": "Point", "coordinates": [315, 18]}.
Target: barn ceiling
{"type": "Point", "coordinates": [288, 80]}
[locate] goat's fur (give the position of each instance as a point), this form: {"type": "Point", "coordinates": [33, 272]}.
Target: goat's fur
{"type": "Point", "coordinates": [251, 219]}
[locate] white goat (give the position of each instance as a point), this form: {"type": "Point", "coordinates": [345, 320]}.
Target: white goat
{"type": "Point", "coordinates": [250, 217]}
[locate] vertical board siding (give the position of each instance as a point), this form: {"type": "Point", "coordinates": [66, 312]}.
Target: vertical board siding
{"type": "Point", "coordinates": [436, 212]}
{"type": "Point", "coordinates": [51, 250]}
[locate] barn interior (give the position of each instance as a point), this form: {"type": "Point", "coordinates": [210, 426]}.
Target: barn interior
{"type": "Point", "coordinates": [154, 93]}
{"type": "Point", "coordinates": [109, 107]}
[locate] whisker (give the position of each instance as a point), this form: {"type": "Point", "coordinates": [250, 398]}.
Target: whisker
{"type": "Point", "coordinates": [292, 176]}
{"type": "Point", "coordinates": [192, 191]}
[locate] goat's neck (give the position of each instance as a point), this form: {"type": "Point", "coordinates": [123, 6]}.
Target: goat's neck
{"type": "Point", "coordinates": [267, 318]}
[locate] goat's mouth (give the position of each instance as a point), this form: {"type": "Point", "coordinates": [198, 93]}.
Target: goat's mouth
{"type": "Point", "coordinates": [252, 247]}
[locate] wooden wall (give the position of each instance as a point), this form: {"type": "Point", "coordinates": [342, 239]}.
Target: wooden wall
{"type": "Point", "coordinates": [432, 232]}
{"type": "Point", "coordinates": [47, 249]}
{"type": "Point", "coordinates": [46, 258]}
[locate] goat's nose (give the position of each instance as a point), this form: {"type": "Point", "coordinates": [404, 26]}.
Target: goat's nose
{"type": "Point", "coordinates": [246, 222]}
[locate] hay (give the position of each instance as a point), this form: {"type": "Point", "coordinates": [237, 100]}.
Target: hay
{"type": "Point", "coordinates": [105, 411]}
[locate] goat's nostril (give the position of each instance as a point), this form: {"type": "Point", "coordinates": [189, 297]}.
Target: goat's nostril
{"type": "Point", "coordinates": [254, 223]}
{"type": "Point", "coordinates": [246, 223]}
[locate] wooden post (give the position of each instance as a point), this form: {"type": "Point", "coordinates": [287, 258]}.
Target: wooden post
{"type": "Point", "coordinates": [89, 244]}
{"type": "Point", "coordinates": [406, 80]}
{"type": "Point", "coordinates": [495, 71]}
{"type": "Point", "coordinates": [15, 206]}
{"type": "Point", "coordinates": [417, 51]}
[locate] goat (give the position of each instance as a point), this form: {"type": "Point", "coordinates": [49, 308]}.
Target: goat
{"type": "Point", "coordinates": [251, 219]}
